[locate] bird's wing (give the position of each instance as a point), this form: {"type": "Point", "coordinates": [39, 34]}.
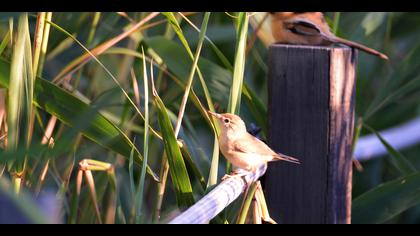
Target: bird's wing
{"type": "Point", "coordinates": [302, 27]}
{"type": "Point", "coordinates": [307, 28]}
{"type": "Point", "coordinates": [250, 144]}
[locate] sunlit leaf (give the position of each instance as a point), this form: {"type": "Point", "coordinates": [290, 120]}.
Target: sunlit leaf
{"type": "Point", "coordinates": [177, 168]}
{"type": "Point", "coordinates": [397, 159]}
{"type": "Point", "coordinates": [387, 200]}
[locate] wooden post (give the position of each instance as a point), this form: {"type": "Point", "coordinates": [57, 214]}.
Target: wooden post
{"type": "Point", "coordinates": [311, 117]}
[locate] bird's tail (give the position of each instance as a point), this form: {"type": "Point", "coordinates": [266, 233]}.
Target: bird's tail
{"type": "Point", "coordinates": [283, 157]}
{"type": "Point", "coordinates": [360, 47]}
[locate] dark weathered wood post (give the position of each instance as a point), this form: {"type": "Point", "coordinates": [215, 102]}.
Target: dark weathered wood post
{"type": "Point", "coordinates": [311, 117]}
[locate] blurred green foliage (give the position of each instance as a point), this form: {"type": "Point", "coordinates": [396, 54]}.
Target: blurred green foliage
{"type": "Point", "coordinates": [388, 94]}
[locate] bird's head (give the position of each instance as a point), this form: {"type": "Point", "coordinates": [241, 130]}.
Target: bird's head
{"type": "Point", "coordinates": [229, 122]}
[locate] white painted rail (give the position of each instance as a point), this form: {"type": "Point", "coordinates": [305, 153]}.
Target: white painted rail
{"type": "Point", "coordinates": [218, 199]}
{"type": "Point", "coordinates": [400, 137]}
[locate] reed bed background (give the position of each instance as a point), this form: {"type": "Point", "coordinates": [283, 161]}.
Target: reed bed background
{"type": "Point", "coordinates": [107, 111]}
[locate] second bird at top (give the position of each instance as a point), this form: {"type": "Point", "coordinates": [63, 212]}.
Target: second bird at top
{"type": "Point", "coordinates": [309, 28]}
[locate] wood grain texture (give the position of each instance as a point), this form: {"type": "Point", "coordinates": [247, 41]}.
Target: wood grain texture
{"type": "Point", "coordinates": [311, 117]}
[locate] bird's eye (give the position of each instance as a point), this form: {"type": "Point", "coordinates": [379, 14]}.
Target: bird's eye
{"type": "Point", "coordinates": [226, 121]}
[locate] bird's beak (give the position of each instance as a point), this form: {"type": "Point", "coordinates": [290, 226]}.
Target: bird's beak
{"type": "Point", "coordinates": [218, 116]}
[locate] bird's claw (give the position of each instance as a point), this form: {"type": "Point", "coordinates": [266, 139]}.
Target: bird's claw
{"type": "Point", "coordinates": [233, 175]}
{"type": "Point", "coordinates": [226, 176]}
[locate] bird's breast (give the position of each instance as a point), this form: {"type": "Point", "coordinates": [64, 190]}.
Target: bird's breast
{"type": "Point", "coordinates": [226, 146]}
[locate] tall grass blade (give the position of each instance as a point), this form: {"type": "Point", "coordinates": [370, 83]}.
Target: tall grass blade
{"type": "Point", "coordinates": [392, 96]}
{"type": "Point", "coordinates": [249, 195]}
{"type": "Point", "coordinates": [132, 182]}
{"type": "Point", "coordinates": [20, 96]}
{"type": "Point", "coordinates": [44, 45]}
{"type": "Point", "coordinates": [397, 83]}
{"type": "Point", "coordinates": [163, 175]}
{"type": "Point", "coordinates": [336, 22]}
{"type": "Point", "coordinates": [239, 65]}
{"type": "Point", "coordinates": [74, 201]}
{"type": "Point", "coordinates": [193, 165]}
{"type": "Point", "coordinates": [401, 163]}
{"type": "Point", "coordinates": [214, 167]}
{"type": "Point", "coordinates": [5, 42]}
{"type": "Point", "coordinates": [179, 175]}
{"type": "Point", "coordinates": [212, 180]}
{"type": "Point", "coordinates": [46, 140]}
{"type": "Point", "coordinates": [387, 200]}
{"type": "Point", "coordinates": [92, 31]}
{"type": "Point", "coordinates": [216, 50]}
{"type": "Point", "coordinates": [177, 29]}
{"type": "Point", "coordinates": [39, 33]}
{"type": "Point", "coordinates": [192, 72]}
{"type": "Point", "coordinates": [140, 189]}
{"type": "Point", "coordinates": [238, 68]}
{"type": "Point", "coordinates": [113, 198]}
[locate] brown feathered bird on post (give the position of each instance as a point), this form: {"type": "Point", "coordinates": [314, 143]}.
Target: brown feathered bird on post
{"type": "Point", "coordinates": [241, 148]}
{"type": "Point", "coordinates": [309, 28]}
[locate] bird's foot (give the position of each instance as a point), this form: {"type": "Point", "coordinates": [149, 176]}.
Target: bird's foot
{"type": "Point", "coordinates": [234, 174]}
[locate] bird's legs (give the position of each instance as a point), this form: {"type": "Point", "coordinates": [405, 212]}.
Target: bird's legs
{"type": "Point", "coordinates": [234, 174]}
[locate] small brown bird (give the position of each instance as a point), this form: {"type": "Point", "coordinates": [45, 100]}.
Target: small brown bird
{"type": "Point", "coordinates": [241, 148]}
{"type": "Point", "coordinates": [309, 28]}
